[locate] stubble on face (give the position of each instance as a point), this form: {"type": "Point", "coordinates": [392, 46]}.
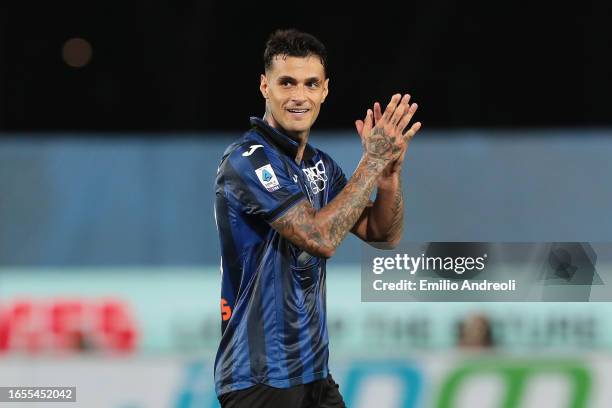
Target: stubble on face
{"type": "Point", "coordinates": [294, 88]}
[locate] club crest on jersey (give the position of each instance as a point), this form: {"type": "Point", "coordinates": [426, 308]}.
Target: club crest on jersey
{"type": "Point", "coordinates": [316, 177]}
{"type": "Point", "coordinates": [268, 179]}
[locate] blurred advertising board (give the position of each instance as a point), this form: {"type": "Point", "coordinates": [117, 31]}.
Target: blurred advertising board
{"type": "Point", "coordinates": [176, 310]}
{"type": "Point", "coordinates": [429, 380]}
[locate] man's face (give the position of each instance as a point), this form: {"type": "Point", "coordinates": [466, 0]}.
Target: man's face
{"type": "Point", "coordinates": [294, 88]}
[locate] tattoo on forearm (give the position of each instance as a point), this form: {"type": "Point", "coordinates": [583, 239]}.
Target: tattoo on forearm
{"type": "Point", "coordinates": [397, 219]}
{"type": "Point", "coordinates": [334, 220]}
{"type": "Point", "coordinates": [386, 217]}
{"type": "Point", "coordinates": [296, 225]}
{"type": "Point", "coordinates": [321, 232]}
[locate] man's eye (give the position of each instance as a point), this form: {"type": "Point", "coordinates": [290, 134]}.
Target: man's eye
{"type": "Point", "coordinates": [286, 84]}
{"type": "Point", "coordinates": [313, 85]}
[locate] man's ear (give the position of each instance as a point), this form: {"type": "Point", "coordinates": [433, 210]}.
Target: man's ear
{"type": "Point", "coordinates": [263, 85]}
{"type": "Point", "coordinates": [325, 89]}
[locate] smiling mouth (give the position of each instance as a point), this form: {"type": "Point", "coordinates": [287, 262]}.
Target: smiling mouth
{"type": "Point", "coordinates": [298, 110]}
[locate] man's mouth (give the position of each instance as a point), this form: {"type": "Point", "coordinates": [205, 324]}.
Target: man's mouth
{"type": "Point", "coordinates": [298, 111]}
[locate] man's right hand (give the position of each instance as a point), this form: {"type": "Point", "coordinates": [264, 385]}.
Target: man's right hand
{"type": "Point", "coordinates": [386, 140]}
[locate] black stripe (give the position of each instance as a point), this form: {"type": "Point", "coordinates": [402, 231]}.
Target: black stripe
{"type": "Point", "coordinates": [238, 186]}
{"type": "Point", "coordinates": [271, 216]}
{"type": "Point", "coordinates": [227, 357]}
{"type": "Point", "coordinates": [232, 271]}
{"type": "Point", "coordinates": [291, 335]}
{"type": "Point", "coordinates": [257, 160]}
{"type": "Point", "coordinates": [232, 267]}
{"type": "Point", "coordinates": [308, 281]}
{"type": "Point", "coordinates": [315, 330]}
{"type": "Point", "coordinates": [256, 333]}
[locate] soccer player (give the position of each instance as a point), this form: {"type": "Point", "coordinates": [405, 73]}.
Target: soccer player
{"type": "Point", "coordinates": [282, 208]}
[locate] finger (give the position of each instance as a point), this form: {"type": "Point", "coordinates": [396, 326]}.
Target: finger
{"type": "Point", "coordinates": [367, 124]}
{"type": "Point", "coordinates": [412, 131]}
{"type": "Point", "coordinates": [407, 117]}
{"type": "Point", "coordinates": [406, 99]}
{"type": "Point", "coordinates": [377, 112]}
{"type": "Point", "coordinates": [399, 113]}
{"type": "Point", "coordinates": [390, 108]}
{"type": "Point", "coordinates": [359, 127]}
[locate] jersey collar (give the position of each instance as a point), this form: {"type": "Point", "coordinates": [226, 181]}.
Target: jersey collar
{"type": "Point", "coordinates": [281, 141]}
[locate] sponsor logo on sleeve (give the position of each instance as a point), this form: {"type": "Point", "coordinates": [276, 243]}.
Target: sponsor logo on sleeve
{"type": "Point", "coordinates": [268, 179]}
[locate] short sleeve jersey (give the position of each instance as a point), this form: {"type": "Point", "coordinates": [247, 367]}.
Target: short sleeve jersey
{"type": "Point", "coordinates": [273, 317]}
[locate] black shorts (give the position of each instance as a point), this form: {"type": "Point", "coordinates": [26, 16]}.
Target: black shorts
{"type": "Point", "coordinates": [317, 394]}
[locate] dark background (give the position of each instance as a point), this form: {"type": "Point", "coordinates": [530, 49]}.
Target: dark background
{"type": "Point", "coordinates": [195, 65]}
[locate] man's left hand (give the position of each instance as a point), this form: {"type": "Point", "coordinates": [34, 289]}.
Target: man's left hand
{"type": "Point", "coordinates": [391, 173]}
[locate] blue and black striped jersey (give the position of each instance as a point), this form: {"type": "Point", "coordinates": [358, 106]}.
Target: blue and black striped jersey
{"type": "Point", "coordinates": [272, 293]}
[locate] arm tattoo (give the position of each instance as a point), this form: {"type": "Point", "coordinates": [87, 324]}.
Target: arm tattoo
{"type": "Point", "coordinates": [297, 226]}
{"type": "Point", "coordinates": [397, 218]}
{"type": "Point", "coordinates": [385, 219]}
{"type": "Point", "coordinates": [320, 233]}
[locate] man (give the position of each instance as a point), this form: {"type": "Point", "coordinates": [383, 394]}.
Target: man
{"type": "Point", "coordinates": [282, 208]}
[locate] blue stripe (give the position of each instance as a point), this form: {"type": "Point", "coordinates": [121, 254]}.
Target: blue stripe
{"type": "Point", "coordinates": [277, 334]}
{"type": "Point", "coordinates": [281, 370]}
{"type": "Point", "coordinates": [305, 338]}
{"type": "Point", "coordinates": [242, 364]}
{"type": "Point", "coordinates": [255, 326]}
{"type": "Point", "coordinates": [232, 271]}
{"type": "Point", "coordinates": [271, 318]}
{"type": "Point", "coordinates": [224, 361]}
{"type": "Point", "coordinates": [291, 333]}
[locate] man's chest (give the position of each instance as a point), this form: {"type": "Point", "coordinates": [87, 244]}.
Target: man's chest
{"type": "Point", "coordinates": [313, 178]}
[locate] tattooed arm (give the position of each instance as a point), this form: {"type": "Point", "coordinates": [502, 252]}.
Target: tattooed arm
{"type": "Point", "coordinates": [383, 221]}
{"type": "Point", "coordinates": [320, 232]}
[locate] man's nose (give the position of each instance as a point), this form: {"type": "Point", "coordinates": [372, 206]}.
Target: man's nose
{"type": "Point", "coordinates": [298, 94]}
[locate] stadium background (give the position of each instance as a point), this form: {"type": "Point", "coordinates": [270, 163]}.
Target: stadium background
{"type": "Point", "coordinates": [108, 252]}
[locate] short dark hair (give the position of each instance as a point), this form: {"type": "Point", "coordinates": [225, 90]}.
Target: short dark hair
{"type": "Point", "coordinates": [293, 43]}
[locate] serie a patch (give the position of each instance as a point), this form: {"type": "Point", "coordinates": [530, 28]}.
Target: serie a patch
{"type": "Point", "coordinates": [268, 179]}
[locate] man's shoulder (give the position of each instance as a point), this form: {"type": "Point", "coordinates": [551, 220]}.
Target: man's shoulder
{"type": "Point", "coordinates": [246, 138]}
{"type": "Point", "coordinates": [244, 148]}
{"type": "Point", "coordinates": [245, 156]}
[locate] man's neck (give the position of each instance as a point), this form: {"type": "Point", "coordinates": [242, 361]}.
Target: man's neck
{"type": "Point", "coordinates": [301, 138]}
